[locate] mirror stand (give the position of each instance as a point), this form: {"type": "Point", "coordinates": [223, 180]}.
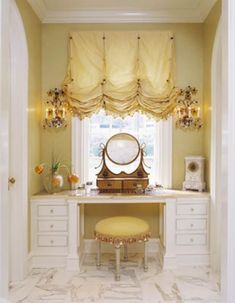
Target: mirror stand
{"type": "Point", "coordinates": [123, 182]}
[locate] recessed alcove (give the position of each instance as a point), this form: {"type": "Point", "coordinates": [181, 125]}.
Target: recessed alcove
{"type": "Point", "coordinates": [47, 37]}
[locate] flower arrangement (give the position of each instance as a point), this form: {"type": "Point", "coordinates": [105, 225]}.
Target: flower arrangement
{"type": "Point", "coordinates": [53, 181]}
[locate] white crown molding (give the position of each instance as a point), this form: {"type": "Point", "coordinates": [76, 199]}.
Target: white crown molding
{"type": "Point", "coordinates": [122, 16]}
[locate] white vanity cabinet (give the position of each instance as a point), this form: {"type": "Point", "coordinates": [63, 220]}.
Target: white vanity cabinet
{"type": "Point", "coordinates": [57, 227]}
{"type": "Point", "coordinates": [192, 230]}
{"type": "Point", "coordinates": [49, 232]}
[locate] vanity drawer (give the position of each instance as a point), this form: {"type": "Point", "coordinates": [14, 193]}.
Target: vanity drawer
{"type": "Point", "coordinates": [52, 241]}
{"type": "Point", "coordinates": [191, 239]}
{"type": "Point", "coordinates": [130, 184]}
{"type": "Point", "coordinates": [109, 184]}
{"type": "Point", "coordinates": [52, 210]}
{"type": "Point", "coordinates": [191, 209]}
{"type": "Point", "coordinates": [44, 226]}
{"type": "Point", "coordinates": [191, 224]}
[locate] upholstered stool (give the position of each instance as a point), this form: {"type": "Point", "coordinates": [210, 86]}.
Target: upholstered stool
{"type": "Point", "coordinates": [121, 231]}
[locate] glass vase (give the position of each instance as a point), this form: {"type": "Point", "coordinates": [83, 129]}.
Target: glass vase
{"type": "Point", "coordinates": [53, 182]}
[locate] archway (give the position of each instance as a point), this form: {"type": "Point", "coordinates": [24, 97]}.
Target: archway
{"type": "Point", "coordinates": [216, 150]}
{"type": "Point", "coordinates": [18, 147]}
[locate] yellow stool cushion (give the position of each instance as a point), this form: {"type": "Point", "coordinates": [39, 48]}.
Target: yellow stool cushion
{"type": "Point", "coordinates": [122, 229]}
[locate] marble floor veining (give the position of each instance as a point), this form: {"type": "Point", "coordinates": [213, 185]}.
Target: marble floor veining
{"type": "Point", "coordinates": [56, 285]}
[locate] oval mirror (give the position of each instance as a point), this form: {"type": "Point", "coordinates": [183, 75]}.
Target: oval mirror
{"type": "Point", "coordinates": [122, 149]}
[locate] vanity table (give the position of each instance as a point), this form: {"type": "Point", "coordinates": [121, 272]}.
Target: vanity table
{"type": "Point", "coordinates": [57, 226]}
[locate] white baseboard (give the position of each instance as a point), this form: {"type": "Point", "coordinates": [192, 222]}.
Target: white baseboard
{"type": "Point", "coordinates": [190, 259]}
{"type": "Point", "coordinates": [46, 261]}
{"type": "Point", "coordinates": [90, 247]}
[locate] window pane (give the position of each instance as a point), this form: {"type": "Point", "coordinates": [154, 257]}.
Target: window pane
{"type": "Point", "coordinates": [102, 127]}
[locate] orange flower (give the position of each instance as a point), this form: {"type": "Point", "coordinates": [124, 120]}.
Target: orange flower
{"type": "Point", "coordinates": [73, 179]}
{"type": "Point", "coordinates": [39, 169]}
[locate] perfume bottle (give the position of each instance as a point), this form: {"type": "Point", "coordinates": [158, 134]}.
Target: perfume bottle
{"type": "Point", "coordinates": [88, 187]}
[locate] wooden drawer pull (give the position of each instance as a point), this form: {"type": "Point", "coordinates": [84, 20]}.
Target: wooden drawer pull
{"type": "Point", "coordinates": [191, 240]}
{"type": "Point", "coordinates": [52, 211]}
{"type": "Point", "coordinates": [52, 226]}
{"type": "Point", "coordinates": [52, 241]}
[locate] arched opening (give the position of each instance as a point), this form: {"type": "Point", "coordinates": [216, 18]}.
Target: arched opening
{"type": "Point", "coordinates": [18, 147]}
{"type": "Point", "coordinates": [216, 150]}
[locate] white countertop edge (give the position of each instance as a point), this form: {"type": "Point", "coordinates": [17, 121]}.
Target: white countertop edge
{"type": "Point", "coordinates": [162, 195]}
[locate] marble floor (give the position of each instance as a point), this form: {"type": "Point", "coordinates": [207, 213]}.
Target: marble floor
{"type": "Point", "coordinates": [54, 285]}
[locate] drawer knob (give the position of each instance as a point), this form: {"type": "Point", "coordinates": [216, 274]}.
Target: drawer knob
{"type": "Point", "coordinates": [52, 225]}
{"type": "Point", "coordinates": [51, 211]}
{"type": "Point", "coordinates": [52, 242]}
{"type": "Point", "coordinates": [109, 184]}
{"type": "Point", "coordinates": [191, 240]}
{"type": "Point", "coordinates": [192, 209]}
{"type": "Point", "coordinates": [191, 225]}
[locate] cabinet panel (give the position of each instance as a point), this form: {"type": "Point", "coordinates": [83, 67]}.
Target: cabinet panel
{"type": "Point", "coordinates": [52, 241]}
{"type": "Point", "coordinates": [45, 226]}
{"type": "Point", "coordinates": [187, 239]}
{"type": "Point", "coordinates": [109, 184]}
{"type": "Point", "coordinates": [130, 184]}
{"type": "Point", "coordinates": [191, 209]}
{"type": "Point", "coordinates": [191, 224]}
{"type": "Point", "coordinates": [52, 210]}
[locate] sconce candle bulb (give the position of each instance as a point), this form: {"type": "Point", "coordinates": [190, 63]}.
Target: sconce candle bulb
{"type": "Point", "coordinates": [187, 111]}
{"type": "Point", "coordinates": [46, 115]}
{"type": "Point", "coordinates": [56, 109]}
{"type": "Point", "coordinates": [198, 112]}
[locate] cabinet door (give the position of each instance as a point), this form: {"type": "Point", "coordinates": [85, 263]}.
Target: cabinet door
{"type": "Point", "coordinates": [191, 224]}
{"type": "Point", "coordinates": [109, 184]}
{"type": "Point", "coordinates": [48, 226]}
{"type": "Point", "coordinates": [191, 239]}
{"type": "Point", "coordinates": [52, 210]}
{"type": "Point", "coordinates": [132, 184]}
{"type": "Point", "coordinates": [52, 241]}
{"type": "Point", "coordinates": [191, 209]}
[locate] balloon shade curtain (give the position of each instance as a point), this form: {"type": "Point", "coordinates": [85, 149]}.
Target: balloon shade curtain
{"type": "Point", "coordinates": [122, 73]}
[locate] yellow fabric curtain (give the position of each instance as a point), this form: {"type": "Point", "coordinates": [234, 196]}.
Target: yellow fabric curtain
{"type": "Point", "coordinates": [121, 72]}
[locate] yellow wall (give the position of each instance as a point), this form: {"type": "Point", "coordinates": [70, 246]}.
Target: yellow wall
{"type": "Point", "coordinates": [193, 53]}
{"type": "Point", "coordinates": [189, 59]}
{"type": "Point", "coordinates": [33, 34]}
{"type": "Point", "coordinates": [209, 31]}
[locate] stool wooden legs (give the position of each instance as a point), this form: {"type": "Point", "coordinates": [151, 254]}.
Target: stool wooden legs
{"type": "Point", "coordinates": [98, 254]}
{"type": "Point", "coordinates": [125, 252]}
{"type": "Point", "coordinates": [117, 269]}
{"type": "Point", "coordinates": [145, 255]}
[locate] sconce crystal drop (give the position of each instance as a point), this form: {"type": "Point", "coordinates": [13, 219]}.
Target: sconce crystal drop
{"type": "Point", "coordinates": [56, 109]}
{"type": "Point", "coordinates": [187, 111]}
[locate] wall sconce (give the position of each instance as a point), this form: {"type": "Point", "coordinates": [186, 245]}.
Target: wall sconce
{"type": "Point", "coordinates": [56, 109]}
{"type": "Point", "coordinates": [187, 111]}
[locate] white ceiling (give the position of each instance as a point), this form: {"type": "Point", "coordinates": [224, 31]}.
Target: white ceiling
{"type": "Point", "coordinates": [105, 11]}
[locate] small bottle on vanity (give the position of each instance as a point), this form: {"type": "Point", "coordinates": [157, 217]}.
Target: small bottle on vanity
{"type": "Point", "coordinates": [88, 187]}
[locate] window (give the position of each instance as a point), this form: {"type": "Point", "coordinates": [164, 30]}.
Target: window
{"type": "Point", "coordinates": [102, 127]}
{"type": "Point", "coordinates": [88, 134]}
